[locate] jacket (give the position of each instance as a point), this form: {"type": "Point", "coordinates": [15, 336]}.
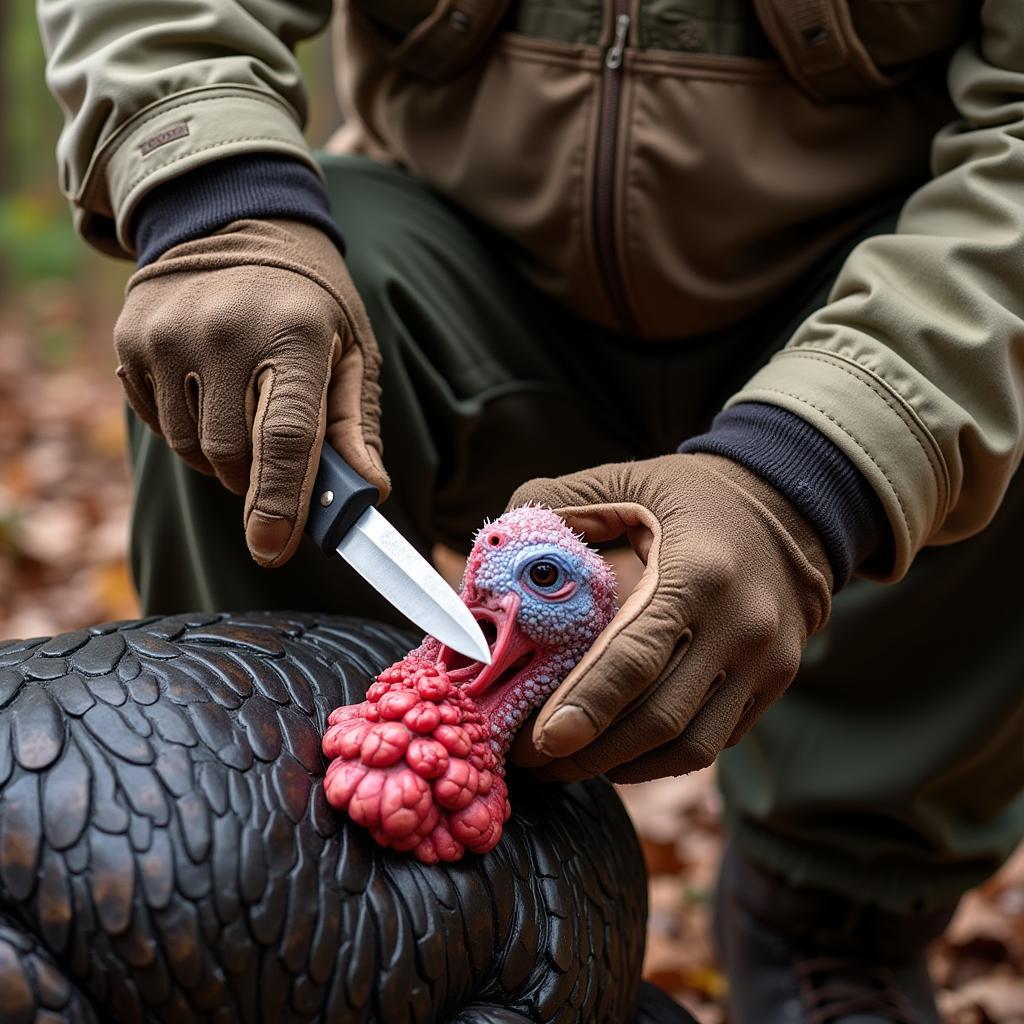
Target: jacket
{"type": "Point", "coordinates": [663, 167]}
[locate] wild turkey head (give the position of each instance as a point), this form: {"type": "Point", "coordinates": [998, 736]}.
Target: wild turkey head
{"type": "Point", "coordinates": [421, 761]}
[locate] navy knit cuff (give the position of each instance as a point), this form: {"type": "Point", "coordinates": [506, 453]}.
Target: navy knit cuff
{"type": "Point", "coordinates": [215, 194]}
{"type": "Point", "coordinates": [815, 476]}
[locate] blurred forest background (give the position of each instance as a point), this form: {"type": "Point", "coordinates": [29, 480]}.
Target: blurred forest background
{"type": "Point", "coordinates": [65, 498]}
{"type": "Point", "coordinates": [64, 492]}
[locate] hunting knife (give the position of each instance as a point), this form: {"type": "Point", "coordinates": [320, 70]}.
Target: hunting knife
{"type": "Point", "coordinates": [343, 519]}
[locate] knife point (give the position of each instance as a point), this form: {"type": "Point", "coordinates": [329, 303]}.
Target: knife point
{"type": "Point", "coordinates": [390, 564]}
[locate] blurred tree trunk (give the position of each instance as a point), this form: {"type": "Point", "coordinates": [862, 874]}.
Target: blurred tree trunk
{"type": "Point", "coordinates": [30, 118]}
{"type": "Point", "coordinates": [5, 98]}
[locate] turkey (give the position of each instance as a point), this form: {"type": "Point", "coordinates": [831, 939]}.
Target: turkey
{"type": "Point", "coordinates": [420, 762]}
{"type": "Point", "coordinates": [167, 851]}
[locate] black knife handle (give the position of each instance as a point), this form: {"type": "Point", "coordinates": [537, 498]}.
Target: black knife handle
{"type": "Point", "coordinates": [340, 497]}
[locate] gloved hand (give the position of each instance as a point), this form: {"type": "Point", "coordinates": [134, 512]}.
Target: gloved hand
{"type": "Point", "coordinates": [735, 581]}
{"type": "Point", "coordinates": [244, 349]}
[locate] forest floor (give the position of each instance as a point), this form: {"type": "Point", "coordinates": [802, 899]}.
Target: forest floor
{"type": "Point", "coordinates": [64, 502]}
{"type": "Point", "coordinates": [978, 964]}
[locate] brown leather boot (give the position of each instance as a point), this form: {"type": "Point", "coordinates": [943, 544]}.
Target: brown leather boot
{"type": "Point", "coordinates": [811, 956]}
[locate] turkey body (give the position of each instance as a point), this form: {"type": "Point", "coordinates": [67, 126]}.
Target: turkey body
{"type": "Point", "coordinates": [167, 852]}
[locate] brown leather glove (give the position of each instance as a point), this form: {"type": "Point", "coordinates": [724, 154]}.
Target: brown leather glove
{"type": "Point", "coordinates": [735, 582]}
{"type": "Point", "coordinates": [244, 349]}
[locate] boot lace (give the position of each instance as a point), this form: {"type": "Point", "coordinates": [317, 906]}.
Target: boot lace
{"type": "Point", "coordinates": [836, 987]}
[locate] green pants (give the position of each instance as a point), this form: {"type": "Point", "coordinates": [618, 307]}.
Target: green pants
{"type": "Point", "coordinates": [893, 767]}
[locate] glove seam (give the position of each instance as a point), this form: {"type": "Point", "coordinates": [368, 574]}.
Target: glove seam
{"type": "Point", "coordinates": [263, 423]}
{"type": "Point", "coordinates": [259, 483]}
{"type": "Point", "coordinates": [157, 270]}
{"type": "Point", "coordinates": [309, 458]}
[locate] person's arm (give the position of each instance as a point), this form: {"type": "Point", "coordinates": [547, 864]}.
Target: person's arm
{"type": "Point", "coordinates": [913, 372]}
{"type": "Point", "coordinates": [915, 367]}
{"type": "Point", "coordinates": [243, 341]}
{"type": "Point", "coordinates": [154, 91]}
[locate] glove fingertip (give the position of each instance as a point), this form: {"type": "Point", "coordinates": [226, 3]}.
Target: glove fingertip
{"type": "Point", "coordinates": [567, 730]}
{"type": "Point", "coordinates": [271, 539]}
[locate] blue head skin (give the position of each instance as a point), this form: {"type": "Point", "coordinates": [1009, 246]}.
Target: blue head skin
{"type": "Point", "coordinates": [543, 596]}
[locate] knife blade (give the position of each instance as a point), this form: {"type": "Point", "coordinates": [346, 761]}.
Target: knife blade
{"type": "Point", "coordinates": [343, 520]}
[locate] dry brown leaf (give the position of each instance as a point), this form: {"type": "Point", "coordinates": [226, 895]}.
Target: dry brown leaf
{"type": "Point", "coordinates": [1011, 875]}
{"type": "Point", "coordinates": [112, 587]}
{"type": "Point", "coordinates": [998, 996]}
{"type": "Point", "coordinates": [449, 564]}
{"type": "Point", "coordinates": [707, 981]}
{"type": "Point", "coordinates": [52, 533]}
{"type": "Point", "coordinates": [660, 809]}
{"type": "Point", "coordinates": [107, 438]}
{"type": "Point", "coordinates": [29, 620]}
{"type": "Point", "coordinates": [977, 917]}
{"type": "Point", "coordinates": [660, 858]}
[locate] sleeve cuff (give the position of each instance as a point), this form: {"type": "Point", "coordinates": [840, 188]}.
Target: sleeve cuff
{"type": "Point", "coordinates": [812, 473]}
{"type": "Point", "coordinates": [169, 138]}
{"type": "Point", "coordinates": [258, 185]}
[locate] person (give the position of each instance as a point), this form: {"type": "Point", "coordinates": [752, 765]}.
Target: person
{"type": "Point", "coordinates": [738, 280]}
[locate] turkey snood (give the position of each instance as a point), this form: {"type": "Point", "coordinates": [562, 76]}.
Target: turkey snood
{"type": "Point", "coordinates": [420, 762]}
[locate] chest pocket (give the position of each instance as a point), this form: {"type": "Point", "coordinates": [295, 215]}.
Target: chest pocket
{"type": "Point", "coordinates": [834, 49]}
{"type": "Point", "coordinates": [432, 40]}
{"type": "Point", "coordinates": [854, 49]}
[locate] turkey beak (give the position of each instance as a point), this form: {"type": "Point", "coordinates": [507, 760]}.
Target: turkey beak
{"type": "Point", "coordinates": [497, 618]}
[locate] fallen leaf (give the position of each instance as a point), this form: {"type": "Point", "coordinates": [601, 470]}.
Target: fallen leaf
{"type": "Point", "coordinates": [660, 857]}
{"type": "Point", "coordinates": [51, 533]}
{"type": "Point", "coordinates": [114, 591]}
{"type": "Point", "coordinates": [999, 997]}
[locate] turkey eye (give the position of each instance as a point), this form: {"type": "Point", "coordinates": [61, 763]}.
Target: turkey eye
{"type": "Point", "coordinates": [543, 574]}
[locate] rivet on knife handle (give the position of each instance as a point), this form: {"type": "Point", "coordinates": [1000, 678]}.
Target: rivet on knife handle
{"type": "Point", "coordinates": [340, 497]}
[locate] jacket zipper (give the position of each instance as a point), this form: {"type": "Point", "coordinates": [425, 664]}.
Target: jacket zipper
{"type": "Point", "coordinates": [604, 171]}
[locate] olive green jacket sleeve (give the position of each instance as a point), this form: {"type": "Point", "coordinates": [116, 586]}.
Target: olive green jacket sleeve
{"type": "Point", "coordinates": [915, 367]}
{"type": "Point", "coordinates": [147, 98]}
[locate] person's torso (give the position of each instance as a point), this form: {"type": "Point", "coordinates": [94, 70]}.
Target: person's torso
{"type": "Point", "coordinates": [662, 167]}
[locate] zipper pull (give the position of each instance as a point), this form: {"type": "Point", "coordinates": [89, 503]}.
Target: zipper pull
{"type": "Point", "coordinates": [613, 58]}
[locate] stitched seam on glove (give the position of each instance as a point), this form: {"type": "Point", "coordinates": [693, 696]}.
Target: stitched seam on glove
{"type": "Point", "coordinates": [211, 264]}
